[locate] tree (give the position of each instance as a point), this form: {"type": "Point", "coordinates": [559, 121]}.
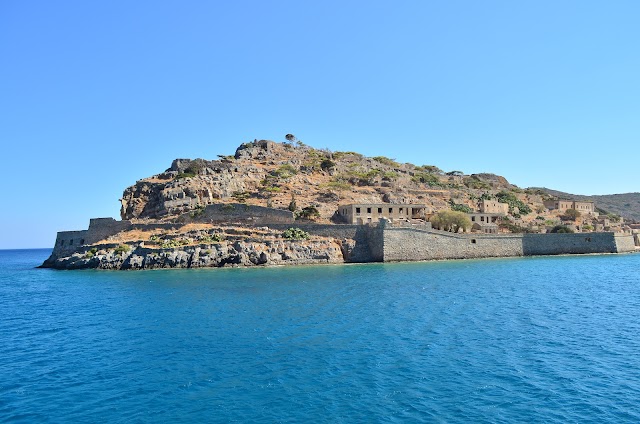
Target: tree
{"type": "Point", "coordinates": [290, 138]}
{"type": "Point", "coordinates": [309, 212]}
{"type": "Point", "coordinates": [571, 214]}
{"type": "Point", "coordinates": [451, 221]}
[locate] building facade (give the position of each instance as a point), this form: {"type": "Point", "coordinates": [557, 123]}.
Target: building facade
{"type": "Point", "coordinates": [365, 213]}
{"type": "Point", "coordinates": [563, 205]}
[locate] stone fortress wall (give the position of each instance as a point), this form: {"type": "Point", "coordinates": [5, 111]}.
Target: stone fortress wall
{"type": "Point", "coordinates": [373, 243]}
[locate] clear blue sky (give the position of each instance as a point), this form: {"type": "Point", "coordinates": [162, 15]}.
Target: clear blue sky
{"type": "Point", "coordinates": [95, 95]}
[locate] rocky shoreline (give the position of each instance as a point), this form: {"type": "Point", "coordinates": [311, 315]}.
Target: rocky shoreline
{"type": "Point", "coordinates": [224, 254]}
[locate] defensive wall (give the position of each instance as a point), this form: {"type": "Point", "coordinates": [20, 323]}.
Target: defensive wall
{"type": "Point", "coordinates": [405, 244]}
{"type": "Point", "coordinates": [382, 243]}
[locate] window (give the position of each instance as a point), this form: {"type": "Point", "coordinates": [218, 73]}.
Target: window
{"type": "Point", "coordinates": [61, 242]}
{"type": "Point", "coordinates": [81, 241]}
{"type": "Point", "coordinates": [473, 219]}
{"type": "Point", "coordinates": [357, 210]}
{"type": "Point", "coordinates": [379, 210]}
{"type": "Point", "coordinates": [473, 241]}
{"type": "Point", "coordinates": [390, 210]}
{"type": "Point", "coordinates": [368, 210]}
{"type": "Point", "coordinates": [400, 210]}
{"type": "Point", "coordinates": [71, 242]}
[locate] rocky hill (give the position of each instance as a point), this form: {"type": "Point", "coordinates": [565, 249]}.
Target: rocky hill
{"type": "Point", "coordinates": [313, 182]}
{"type": "Point", "coordinates": [283, 175]}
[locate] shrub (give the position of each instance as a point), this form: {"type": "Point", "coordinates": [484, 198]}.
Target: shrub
{"type": "Point", "coordinates": [561, 229]}
{"type": "Point", "coordinates": [327, 165]}
{"type": "Point", "coordinates": [513, 202]}
{"type": "Point", "coordinates": [295, 234]}
{"type": "Point", "coordinates": [386, 161]}
{"type": "Point", "coordinates": [285, 171]}
{"type": "Point", "coordinates": [121, 250]}
{"type": "Point", "coordinates": [338, 184]}
{"type": "Point", "coordinates": [309, 212]}
{"type": "Point", "coordinates": [431, 169]}
{"type": "Point", "coordinates": [241, 196]}
{"type": "Point", "coordinates": [459, 208]}
{"type": "Point", "coordinates": [426, 178]}
{"type": "Point", "coordinates": [184, 175]}
{"type": "Point", "coordinates": [476, 183]}
{"type": "Point", "coordinates": [91, 253]}
{"type": "Point", "coordinates": [198, 211]}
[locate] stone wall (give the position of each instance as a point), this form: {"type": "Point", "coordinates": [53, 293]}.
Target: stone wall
{"type": "Point", "coordinates": [404, 244]}
{"type": "Point", "coordinates": [625, 243]}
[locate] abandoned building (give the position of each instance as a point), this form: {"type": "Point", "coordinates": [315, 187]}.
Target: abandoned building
{"type": "Point", "coordinates": [493, 207]}
{"type": "Point", "coordinates": [371, 213]}
{"type": "Point", "coordinates": [563, 205]}
{"type": "Point", "coordinates": [485, 222]}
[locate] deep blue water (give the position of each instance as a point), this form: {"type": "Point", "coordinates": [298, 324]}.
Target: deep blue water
{"type": "Point", "coordinates": [553, 339]}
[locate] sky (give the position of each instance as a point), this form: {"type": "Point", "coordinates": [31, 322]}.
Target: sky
{"type": "Point", "coordinates": [95, 95]}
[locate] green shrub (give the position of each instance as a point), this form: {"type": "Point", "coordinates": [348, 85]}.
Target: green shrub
{"type": "Point", "coordinates": [122, 249]}
{"type": "Point", "coordinates": [184, 175]}
{"type": "Point", "coordinates": [513, 202]}
{"type": "Point", "coordinates": [426, 178]}
{"type": "Point", "coordinates": [327, 165]}
{"type": "Point", "coordinates": [459, 207]}
{"type": "Point", "coordinates": [295, 234]}
{"type": "Point", "coordinates": [386, 161]}
{"type": "Point", "coordinates": [91, 253]}
{"type": "Point", "coordinates": [309, 212]}
{"type": "Point", "coordinates": [474, 182]}
{"type": "Point", "coordinates": [241, 196]}
{"type": "Point", "coordinates": [561, 229]}
{"type": "Point", "coordinates": [197, 211]}
{"type": "Point", "coordinates": [285, 171]}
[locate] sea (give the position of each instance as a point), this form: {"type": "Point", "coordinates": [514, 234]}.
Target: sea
{"type": "Point", "coordinates": [518, 340]}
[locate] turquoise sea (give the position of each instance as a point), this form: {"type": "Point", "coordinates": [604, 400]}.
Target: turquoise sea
{"type": "Point", "coordinates": [547, 339]}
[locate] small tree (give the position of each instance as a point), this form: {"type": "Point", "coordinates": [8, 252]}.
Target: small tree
{"type": "Point", "coordinates": [290, 138]}
{"type": "Point", "coordinates": [309, 212]}
{"type": "Point", "coordinates": [451, 221]}
{"type": "Point", "coordinates": [571, 214]}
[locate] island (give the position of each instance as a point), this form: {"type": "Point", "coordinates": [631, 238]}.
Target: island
{"type": "Point", "coordinates": [289, 204]}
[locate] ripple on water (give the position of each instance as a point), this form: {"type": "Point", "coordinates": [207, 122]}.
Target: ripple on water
{"type": "Point", "coordinates": [535, 339]}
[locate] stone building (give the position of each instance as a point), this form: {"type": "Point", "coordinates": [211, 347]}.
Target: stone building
{"type": "Point", "coordinates": [364, 213]}
{"type": "Point", "coordinates": [493, 207]}
{"type": "Point", "coordinates": [485, 222]}
{"type": "Point", "coordinates": [562, 205]}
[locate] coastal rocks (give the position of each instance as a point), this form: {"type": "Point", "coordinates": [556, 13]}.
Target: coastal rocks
{"type": "Point", "coordinates": [237, 253]}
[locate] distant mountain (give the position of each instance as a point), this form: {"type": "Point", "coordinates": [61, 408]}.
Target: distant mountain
{"type": "Point", "coordinates": [626, 205]}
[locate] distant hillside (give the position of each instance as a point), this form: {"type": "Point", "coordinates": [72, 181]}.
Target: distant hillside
{"type": "Point", "coordinates": [626, 205]}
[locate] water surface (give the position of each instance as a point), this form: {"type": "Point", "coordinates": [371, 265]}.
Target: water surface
{"type": "Point", "coordinates": [553, 339]}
